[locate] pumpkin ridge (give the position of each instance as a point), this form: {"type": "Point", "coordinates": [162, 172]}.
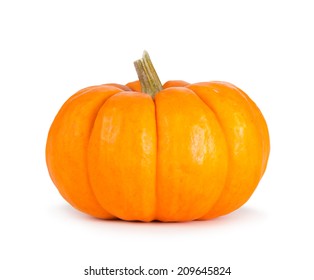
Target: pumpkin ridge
{"type": "Point", "coordinates": [80, 93]}
{"type": "Point", "coordinates": [118, 160]}
{"type": "Point", "coordinates": [185, 170]}
{"type": "Point", "coordinates": [109, 87]}
{"type": "Point", "coordinates": [227, 145]}
{"type": "Point", "coordinates": [263, 129]}
{"type": "Point", "coordinates": [63, 109]}
{"type": "Point", "coordinates": [259, 122]}
{"type": "Point", "coordinates": [62, 148]}
{"type": "Point", "coordinates": [234, 193]}
{"type": "Point", "coordinates": [89, 140]}
{"type": "Point", "coordinates": [212, 214]}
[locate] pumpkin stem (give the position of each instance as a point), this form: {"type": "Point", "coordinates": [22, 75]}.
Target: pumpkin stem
{"type": "Point", "coordinates": [147, 75]}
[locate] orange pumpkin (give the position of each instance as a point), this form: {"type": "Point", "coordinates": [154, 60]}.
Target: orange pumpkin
{"type": "Point", "coordinates": [179, 152]}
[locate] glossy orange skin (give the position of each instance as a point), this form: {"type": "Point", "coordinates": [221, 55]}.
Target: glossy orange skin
{"type": "Point", "coordinates": [195, 152]}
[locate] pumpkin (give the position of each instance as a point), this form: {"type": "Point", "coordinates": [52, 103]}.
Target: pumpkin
{"type": "Point", "coordinates": [143, 151]}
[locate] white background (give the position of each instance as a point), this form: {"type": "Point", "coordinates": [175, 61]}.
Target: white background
{"type": "Point", "coordinates": [51, 49]}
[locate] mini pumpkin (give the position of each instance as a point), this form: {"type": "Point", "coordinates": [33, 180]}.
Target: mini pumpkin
{"type": "Point", "coordinates": [177, 152]}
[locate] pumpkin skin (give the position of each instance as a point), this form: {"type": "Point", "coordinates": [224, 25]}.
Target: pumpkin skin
{"type": "Point", "coordinates": [194, 152]}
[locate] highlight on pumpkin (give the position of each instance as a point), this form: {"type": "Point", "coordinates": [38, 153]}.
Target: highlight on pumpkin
{"type": "Point", "coordinates": [146, 151]}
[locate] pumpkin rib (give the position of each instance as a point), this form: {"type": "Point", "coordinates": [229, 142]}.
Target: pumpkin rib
{"type": "Point", "coordinates": [119, 86]}
{"type": "Point", "coordinates": [261, 123]}
{"type": "Point", "coordinates": [199, 148]}
{"type": "Point", "coordinates": [262, 153]}
{"type": "Point", "coordinates": [175, 83]}
{"type": "Point", "coordinates": [263, 129]}
{"type": "Point", "coordinates": [228, 153]}
{"type": "Point", "coordinates": [192, 86]}
{"type": "Point", "coordinates": [88, 143]}
{"type": "Point", "coordinates": [108, 215]}
{"type": "Point", "coordinates": [67, 171]}
{"type": "Point", "coordinates": [227, 145]}
{"type": "Point", "coordinates": [207, 92]}
{"type": "Point", "coordinates": [134, 86]}
{"type": "Point", "coordinates": [122, 156]}
{"type": "Point", "coordinates": [62, 110]}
